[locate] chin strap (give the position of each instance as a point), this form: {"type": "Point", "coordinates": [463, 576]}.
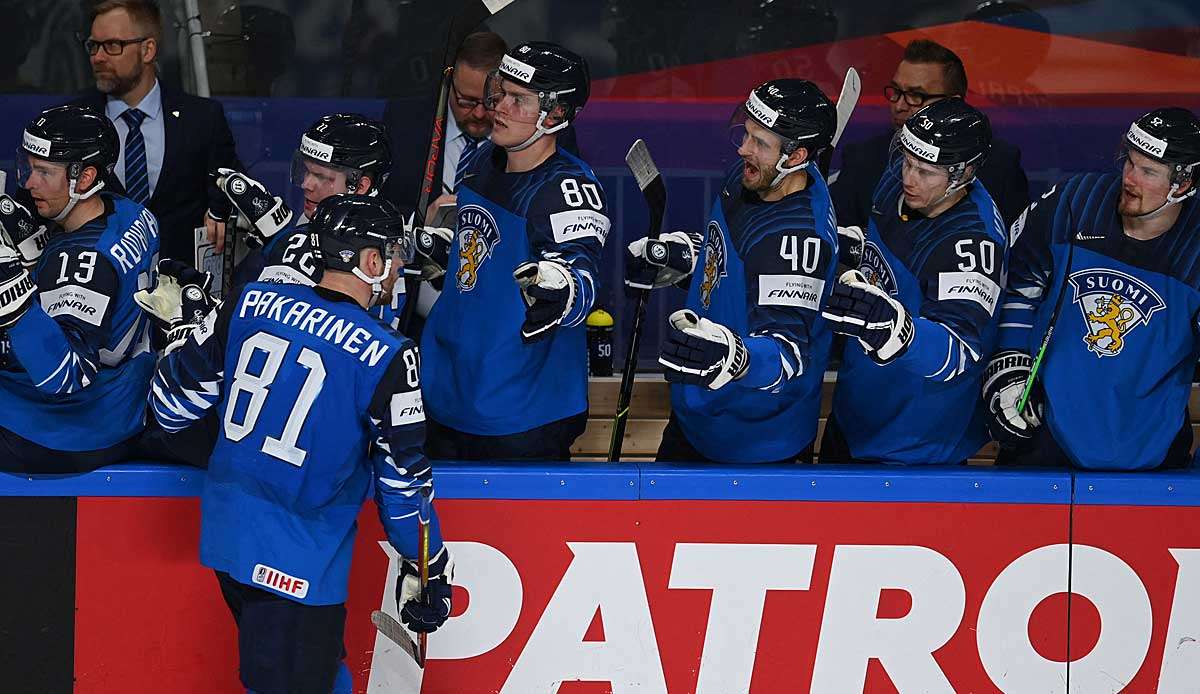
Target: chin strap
{"type": "Point", "coordinates": [783, 171]}
{"type": "Point", "coordinates": [1171, 200]}
{"type": "Point", "coordinates": [76, 197]}
{"type": "Point", "coordinates": [375, 282]}
{"type": "Point", "coordinates": [537, 133]}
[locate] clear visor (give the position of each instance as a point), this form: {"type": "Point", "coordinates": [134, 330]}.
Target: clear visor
{"type": "Point", "coordinates": [515, 102]}
{"type": "Point", "coordinates": [904, 164]}
{"type": "Point", "coordinates": [748, 135]}
{"type": "Point", "coordinates": [318, 174]}
{"type": "Point", "coordinates": [400, 248]}
{"type": "Point", "coordinates": [46, 171]}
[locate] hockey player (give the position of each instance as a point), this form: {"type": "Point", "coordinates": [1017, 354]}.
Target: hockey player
{"type": "Point", "coordinates": [77, 346]}
{"type": "Point", "coordinates": [505, 357]}
{"type": "Point", "coordinates": [921, 306]}
{"type": "Point", "coordinates": [320, 406]}
{"type": "Point", "coordinates": [1110, 261]}
{"type": "Point", "coordinates": [746, 356]}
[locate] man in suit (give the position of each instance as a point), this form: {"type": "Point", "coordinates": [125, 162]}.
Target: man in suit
{"type": "Point", "coordinates": [170, 141]}
{"type": "Point", "coordinates": [927, 73]}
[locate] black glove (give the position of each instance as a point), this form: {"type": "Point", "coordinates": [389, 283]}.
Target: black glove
{"type": "Point", "coordinates": [698, 351]}
{"type": "Point", "coordinates": [860, 309]}
{"type": "Point", "coordinates": [265, 213]}
{"type": "Point", "coordinates": [851, 242]}
{"type": "Point", "coordinates": [549, 289]}
{"type": "Point", "coordinates": [1003, 383]}
{"type": "Point", "coordinates": [425, 612]}
{"type": "Point", "coordinates": [26, 233]}
{"type": "Point", "coordinates": [16, 287]}
{"type": "Point", "coordinates": [433, 251]}
{"type": "Point", "coordinates": [654, 263]}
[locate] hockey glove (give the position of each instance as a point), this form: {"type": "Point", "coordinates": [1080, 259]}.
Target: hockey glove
{"type": "Point", "coordinates": [433, 251]}
{"type": "Point", "coordinates": [179, 303]}
{"type": "Point", "coordinates": [1003, 383]}
{"type": "Point", "coordinates": [16, 287]}
{"type": "Point", "coordinates": [25, 232]}
{"type": "Point", "coordinates": [850, 246]}
{"type": "Point", "coordinates": [265, 213]}
{"type": "Point", "coordinates": [425, 612]}
{"type": "Point", "coordinates": [661, 262]}
{"type": "Point", "coordinates": [549, 289]}
{"type": "Point", "coordinates": [698, 351]}
{"type": "Point", "coordinates": [860, 309]}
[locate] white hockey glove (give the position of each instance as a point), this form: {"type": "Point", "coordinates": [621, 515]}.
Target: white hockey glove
{"type": "Point", "coordinates": [179, 303]}
{"type": "Point", "coordinates": [549, 289]}
{"type": "Point", "coordinates": [851, 242]}
{"type": "Point", "coordinates": [1003, 383]}
{"type": "Point", "coordinates": [661, 262]}
{"type": "Point", "coordinates": [433, 251]}
{"type": "Point", "coordinates": [23, 231]}
{"type": "Point", "coordinates": [16, 287]}
{"type": "Point", "coordinates": [698, 351]}
{"type": "Point", "coordinates": [265, 213]}
{"type": "Point", "coordinates": [860, 309]}
{"type": "Point", "coordinates": [426, 612]}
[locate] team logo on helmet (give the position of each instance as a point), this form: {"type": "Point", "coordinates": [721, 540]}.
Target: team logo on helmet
{"type": "Point", "coordinates": [478, 235]}
{"type": "Point", "coordinates": [714, 262]}
{"type": "Point", "coordinates": [874, 266]}
{"type": "Point", "coordinates": [1113, 304]}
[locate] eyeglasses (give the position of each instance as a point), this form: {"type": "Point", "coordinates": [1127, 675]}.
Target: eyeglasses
{"type": "Point", "coordinates": [465, 103]}
{"type": "Point", "coordinates": [913, 98]}
{"type": "Point", "coordinates": [111, 46]}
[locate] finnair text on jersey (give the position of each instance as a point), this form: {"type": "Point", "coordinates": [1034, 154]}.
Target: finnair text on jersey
{"type": "Point", "coordinates": [316, 321]}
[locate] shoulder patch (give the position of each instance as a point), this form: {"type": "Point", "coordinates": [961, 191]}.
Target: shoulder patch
{"type": "Point", "coordinates": [971, 286]}
{"type": "Point", "coordinates": [572, 225]}
{"type": "Point", "coordinates": [800, 291]}
{"type": "Point", "coordinates": [77, 302]}
{"type": "Point", "coordinates": [407, 408]}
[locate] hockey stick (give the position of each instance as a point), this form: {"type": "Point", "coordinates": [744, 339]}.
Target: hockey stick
{"type": "Point", "coordinates": [847, 100]}
{"type": "Point", "coordinates": [385, 623]}
{"type": "Point", "coordinates": [227, 255]}
{"type": "Point", "coordinates": [1041, 354]}
{"type": "Point", "coordinates": [470, 14]}
{"type": "Point", "coordinates": [650, 182]}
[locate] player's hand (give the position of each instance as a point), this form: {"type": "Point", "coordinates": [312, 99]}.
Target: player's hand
{"type": "Point", "coordinates": [698, 351]}
{"type": "Point", "coordinates": [860, 309]}
{"type": "Point", "coordinates": [549, 289]}
{"type": "Point", "coordinates": [1003, 383]}
{"type": "Point", "coordinates": [851, 242]}
{"type": "Point", "coordinates": [431, 212]}
{"type": "Point", "coordinates": [179, 303]}
{"type": "Point", "coordinates": [433, 251]}
{"type": "Point", "coordinates": [16, 287]}
{"type": "Point", "coordinates": [425, 612]}
{"type": "Point", "coordinates": [265, 213]}
{"type": "Point", "coordinates": [23, 231]}
{"type": "Point", "coordinates": [661, 262]}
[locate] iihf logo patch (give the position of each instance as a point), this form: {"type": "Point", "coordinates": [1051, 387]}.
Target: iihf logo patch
{"type": "Point", "coordinates": [714, 262]}
{"type": "Point", "coordinates": [874, 266]}
{"type": "Point", "coordinates": [478, 235]}
{"type": "Point", "coordinates": [1113, 304]}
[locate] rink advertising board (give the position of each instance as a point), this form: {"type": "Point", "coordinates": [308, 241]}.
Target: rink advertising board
{"type": "Point", "coordinates": [585, 579]}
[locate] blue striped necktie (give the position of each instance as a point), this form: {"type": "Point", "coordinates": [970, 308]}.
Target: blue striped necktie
{"type": "Point", "coordinates": [137, 179]}
{"type": "Point", "coordinates": [465, 159]}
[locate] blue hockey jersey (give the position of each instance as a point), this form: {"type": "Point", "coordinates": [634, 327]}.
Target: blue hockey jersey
{"type": "Point", "coordinates": [480, 378]}
{"type": "Point", "coordinates": [764, 271]}
{"type": "Point", "coordinates": [1117, 373]}
{"type": "Point", "coordinates": [79, 362]}
{"type": "Point", "coordinates": [320, 404]}
{"type": "Point", "coordinates": [948, 272]}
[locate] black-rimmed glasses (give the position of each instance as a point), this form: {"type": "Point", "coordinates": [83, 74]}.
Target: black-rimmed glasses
{"type": "Point", "coordinates": [464, 102]}
{"type": "Point", "coordinates": [111, 46]}
{"type": "Point", "coordinates": [913, 98]}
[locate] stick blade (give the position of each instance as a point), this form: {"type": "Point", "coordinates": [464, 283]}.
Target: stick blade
{"type": "Point", "coordinates": [396, 633]}
{"type": "Point", "coordinates": [847, 100]}
{"type": "Point", "coordinates": [641, 164]}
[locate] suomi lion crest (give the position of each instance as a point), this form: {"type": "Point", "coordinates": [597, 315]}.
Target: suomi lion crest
{"type": "Point", "coordinates": [714, 262]}
{"type": "Point", "coordinates": [1113, 305]}
{"type": "Point", "coordinates": [478, 235]}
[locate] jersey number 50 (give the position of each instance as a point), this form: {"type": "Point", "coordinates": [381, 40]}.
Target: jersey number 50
{"type": "Point", "coordinates": [258, 387]}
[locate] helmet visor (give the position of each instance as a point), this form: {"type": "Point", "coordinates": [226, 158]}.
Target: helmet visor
{"type": "Point", "coordinates": [313, 181]}
{"type": "Point", "coordinates": [514, 102]}
{"type": "Point", "coordinates": [746, 134]}
{"type": "Point", "coordinates": [46, 172]}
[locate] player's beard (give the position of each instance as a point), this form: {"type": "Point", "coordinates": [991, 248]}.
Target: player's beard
{"type": "Point", "coordinates": [1129, 205]}
{"type": "Point", "coordinates": [758, 179]}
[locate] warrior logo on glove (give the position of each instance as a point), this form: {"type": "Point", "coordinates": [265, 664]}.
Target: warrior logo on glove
{"type": "Point", "coordinates": [1113, 304]}
{"type": "Point", "coordinates": [714, 263]}
{"type": "Point", "coordinates": [478, 234]}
